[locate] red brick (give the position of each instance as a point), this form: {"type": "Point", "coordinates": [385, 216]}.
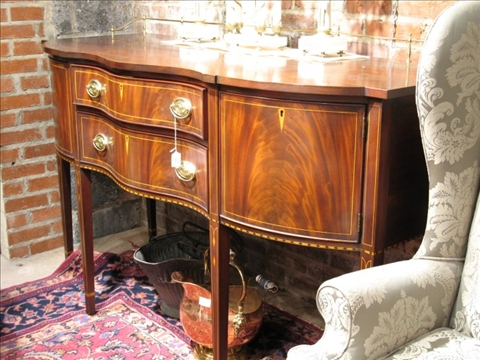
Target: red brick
{"type": "Point", "coordinates": [5, 49]}
{"type": "Point", "coordinates": [425, 9]}
{"type": "Point", "coordinates": [378, 28]}
{"type": "Point", "coordinates": [291, 21]}
{"type": "Point", "coordinates": [34, 82]}
{"type": "Point", "coordinates": [17, 66]}
{"type": "Point", "coordinates": [55, 197]}
{"type": "Point", "coordinates": [48, 214]}
{"type": "Point", "coordinates": [33, 116]}
{"type": "Point", "coordinates": [31, 233]}
{"type": "Point", "coordinates": [7, 85]}
{"type": "Point", "coordinates": [47, 98]}
{"type": "Point", "coordinates": [19, 101]}
{"type": "Point", "coordinates": [378, 7]}
{"type": "Point", "coordinates": [3, 15]}
{"type": "Point", "coordinates": [20, 171]}
{"type": "Point", "coordinates": [50, 132]}
{"type": "Point", "coordinates": [19, 252]}
{"type": "Point", "coordinates": [43, 183]}
{"type": "Point", "coordinates": [355, 6]}
{"type": "Point", "coordinates": [40, 150]}
{"type": "Point", "coordinates": [46, 245]}
{"type": "Point", "coordinates": [44, 66]}
{"type": "Point", "coordinates": [300, 4]}
{"type": "Point", "coordinates": [415, 29]}
{"type": "Point", "coordinates": [18, 137]}
{"type": "Point", "coordinates": [26, 13]}
{"type": "Point", "coordinates": [40, 30]}
{"type": "Point", "coordinates": [13, 189]}
{"type": "Point", "coordinates": [16, 221]}
{"type": "Point", "coordinates": [9, 156]}
{"type": "Point", "coordinates": [17, 31]}
{"type": "Point", "coordinates": [7, 120]}
{"type": "Point", "coordinates": [52, 165]}
{"type": "Point", "coordinates": [27, 48]}
{"type": "Point", "coordinates": [26, 202]}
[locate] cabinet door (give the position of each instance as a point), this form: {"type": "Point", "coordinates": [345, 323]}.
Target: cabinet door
{"type": "Point", "coordinates": [292, 167]}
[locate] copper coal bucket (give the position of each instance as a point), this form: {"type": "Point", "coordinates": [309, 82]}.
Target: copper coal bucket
{"type": "Point", "coordinates": [245, 315]}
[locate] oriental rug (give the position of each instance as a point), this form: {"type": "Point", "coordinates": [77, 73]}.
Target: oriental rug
{"type": "Point", "coordinates": [46, 319]}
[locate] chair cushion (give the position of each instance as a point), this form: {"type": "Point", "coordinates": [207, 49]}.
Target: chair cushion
{"type": "Point", "coordinates": [441, 344]}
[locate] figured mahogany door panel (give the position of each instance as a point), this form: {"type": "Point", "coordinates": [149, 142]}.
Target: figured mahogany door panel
{"type": "Point", "coordinates": [140, 101]}
{"type": "Point", "coordinates": [142, 162]}
{"type": "Point", "coordinates": [292, 167]}
{"type": "Point", "coordinates": [63, 119]}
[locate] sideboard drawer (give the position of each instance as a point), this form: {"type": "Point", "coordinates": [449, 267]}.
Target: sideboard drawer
{"type": "Point", "coordinates": [141, 161]}
{"type": "Point", "coordinates": [141, 101]}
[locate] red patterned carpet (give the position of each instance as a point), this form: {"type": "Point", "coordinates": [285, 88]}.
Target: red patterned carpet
{"type": "Point", "coordinates": [46, 319]}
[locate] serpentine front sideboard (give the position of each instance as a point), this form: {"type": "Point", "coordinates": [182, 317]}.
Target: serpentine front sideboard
{"type": "Point", "coordinates": [311, 153]}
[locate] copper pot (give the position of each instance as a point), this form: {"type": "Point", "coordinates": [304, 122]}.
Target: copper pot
{"type": "Point", "coordinates": [245, 315]}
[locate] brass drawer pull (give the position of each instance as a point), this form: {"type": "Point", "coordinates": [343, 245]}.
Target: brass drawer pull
{"type": "Point", "coordinates": [100, 142]}
{"type": "Point", "coordinates": [186, 171]}
{"type": "Point", "coordinates": [181, 108]}
{"type": "Point", "coordinates": [95, 89]}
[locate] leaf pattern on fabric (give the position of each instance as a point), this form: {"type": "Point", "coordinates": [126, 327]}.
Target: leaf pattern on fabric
{"type": "Point", "coordinates": [451, 206]}
{"type": "Point", "coordinates": [396, 326]}
{"type": "Point", "coordinates": [438, 275]}
{"type": "Point", "coordinates": [448, 143]}
{"type": "Point", "coordinates": [465, 56]}
{"type": "Point", "coordinates": [442, 344]}
{"type": "Point", "coordinates": [467, 313]}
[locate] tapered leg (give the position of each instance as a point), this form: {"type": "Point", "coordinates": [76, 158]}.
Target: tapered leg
{"type": "Point", "coordinates": [151, 218]}
{"type": "Point", "coordinates": [219, 244]}
{"type": "Point", "coordinates": [66, 204]}
{"type": "Point", "coordinates": [84, 197]}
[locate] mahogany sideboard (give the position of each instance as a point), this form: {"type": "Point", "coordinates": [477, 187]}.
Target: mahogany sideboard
{"type": "Point", "coordinates": [311, 153]}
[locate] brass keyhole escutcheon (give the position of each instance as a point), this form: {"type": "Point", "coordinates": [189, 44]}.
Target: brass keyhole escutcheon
{"type": "Point", "coordinates": [100, 142]}
{"type": "Point", "coordinates": [181, 108]}
{"type": "Point", "coordinates": [95, 89]}
{"type": "Point", "coordinates": [281, 118]}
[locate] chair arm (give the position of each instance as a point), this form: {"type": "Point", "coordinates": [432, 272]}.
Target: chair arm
{"type": "Point", "coordinates": [369, 313]}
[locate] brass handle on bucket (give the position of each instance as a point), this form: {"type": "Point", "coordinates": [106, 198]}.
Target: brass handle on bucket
{"type": "Point", "coordinates": [100, 142]}
{"type": "Point", "coordinates": [95, 88]}
{"type": "Point", "coordinates": [239, 319]}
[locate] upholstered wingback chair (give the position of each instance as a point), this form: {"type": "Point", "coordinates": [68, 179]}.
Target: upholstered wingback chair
{"type": "Point", "coordinates": [427, 307]}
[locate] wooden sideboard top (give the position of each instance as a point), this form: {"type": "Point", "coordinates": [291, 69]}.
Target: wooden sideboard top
{"type": "Point", "coordinates": [371, 77]}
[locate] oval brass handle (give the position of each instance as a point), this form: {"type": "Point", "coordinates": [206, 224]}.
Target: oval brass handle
{"type": "Point", "coordinates": [186, 171]}
{"type": "Point", "coordinates": [181, 108]}
{"type": "Point", "coordinates": [100, 142]}
{"type": "Point", "coordinates": [95, 88]}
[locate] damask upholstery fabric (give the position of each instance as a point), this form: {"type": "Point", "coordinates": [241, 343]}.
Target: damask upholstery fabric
{"type": "Point", "coordinates": [427, 307]}
{"type": "Point", "coordinates": [448, 86]}
{"type": "Point", "coordinates": [466, 313]}
{"type": "Point", "coordinates": [462, 340]}
{"type": "Point", "coordinates": [440, 344]}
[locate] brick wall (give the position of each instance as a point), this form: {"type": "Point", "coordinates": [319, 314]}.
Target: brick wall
{"type": "Point", "coordinates": [29, 173]}
{"type": "Point", "coordinates": [29, 198]}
